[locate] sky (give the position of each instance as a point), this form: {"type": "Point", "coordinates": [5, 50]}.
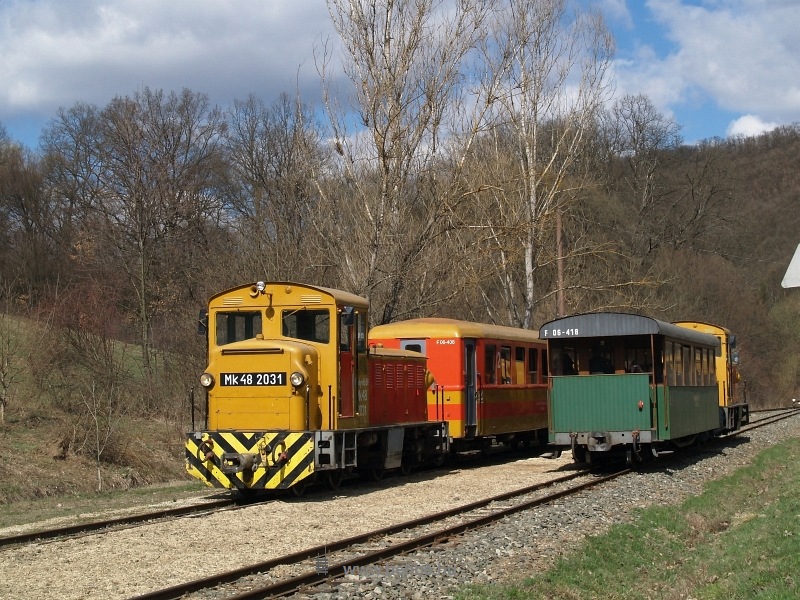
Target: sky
{"type": "Point", "coordinates": [719, 68]}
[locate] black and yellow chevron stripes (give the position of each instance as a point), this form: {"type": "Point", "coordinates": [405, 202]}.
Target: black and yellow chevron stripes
{"type": "Point", "coordinates": [272, 472]}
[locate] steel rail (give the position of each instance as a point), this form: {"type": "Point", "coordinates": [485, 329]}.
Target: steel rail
{"type": "Point", "coordinates": [47, 534]}
{"type": "Point", "coordinates": [235, 574]}
{"type": "Point", "coordinates": [295, 584]}
{"type": "Point", "coordinates": [298, 583]}
{"type": "Point", "coordinates": [762, 422]}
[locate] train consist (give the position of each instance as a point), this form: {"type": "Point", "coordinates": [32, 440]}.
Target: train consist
{"type": "Point", "coordinates": [298, 392]}
{"type": "Point", "coordinates": [629, 383]}
{"type": "Point", "coordinates": [490, 381]}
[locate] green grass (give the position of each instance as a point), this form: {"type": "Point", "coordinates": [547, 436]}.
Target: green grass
{"type": "Point", "coordinates": [738, 540]}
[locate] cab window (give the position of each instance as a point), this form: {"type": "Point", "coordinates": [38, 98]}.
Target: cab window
{"type": "Point", "coordinates": [307, 324]}
{"type": "Point", "coordinates": [533, 364]}
{"type": "Point", "coordinates": [236, 326]}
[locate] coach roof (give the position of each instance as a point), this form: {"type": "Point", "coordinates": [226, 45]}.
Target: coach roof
{"type": "Point", "coordinates": [605, 324]}
{"type": "Point", "coordinates": [434, 327]}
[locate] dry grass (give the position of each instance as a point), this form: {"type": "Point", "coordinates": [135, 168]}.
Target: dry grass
{"type": "Point", "coordinates": [34, 463]}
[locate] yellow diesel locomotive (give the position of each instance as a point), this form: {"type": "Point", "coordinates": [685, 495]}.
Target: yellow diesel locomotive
{"type": "Point", "coordinates": [294, 394]}
{"type": "Point", "coordinates": [734, 410]}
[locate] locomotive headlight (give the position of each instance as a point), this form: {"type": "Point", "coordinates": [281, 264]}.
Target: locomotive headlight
{"type": "Point", "coordinates": [297, 379]}
{"type": "Point", "coordinates": [206, 380]}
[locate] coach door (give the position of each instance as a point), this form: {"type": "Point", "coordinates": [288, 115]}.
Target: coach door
{"type": "Point", "coordinates": [470, 392]}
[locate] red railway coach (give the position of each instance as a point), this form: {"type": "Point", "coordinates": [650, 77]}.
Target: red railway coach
{"type": "Point", "coordinates": [490, 381]}
{"type": "Point", "coordinates": [293, 393]}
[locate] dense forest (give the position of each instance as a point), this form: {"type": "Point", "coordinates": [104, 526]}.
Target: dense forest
{"type": "Point", "coordinates": [510, 200]}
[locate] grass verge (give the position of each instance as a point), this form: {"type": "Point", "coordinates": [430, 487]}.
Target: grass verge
{"type": "Point", "coordinates": [738, 540]}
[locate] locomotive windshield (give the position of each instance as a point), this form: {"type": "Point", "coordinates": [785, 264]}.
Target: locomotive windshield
{"type": "Point", "coordinates": [306, 324]}
{"type": "Point", "coordinates": [237, 326]}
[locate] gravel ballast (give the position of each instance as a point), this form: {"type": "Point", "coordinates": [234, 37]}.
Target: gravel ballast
{"type": "Point", "coordinates": [134, 561]}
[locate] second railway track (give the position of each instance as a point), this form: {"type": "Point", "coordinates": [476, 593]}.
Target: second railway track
{"type": "Point", "coordinates": [319, 565]}
{"type": "Point", "coordinates": [361, 550]}
{"type": "Point", "coordinates": [125, 562]}
{"type": "Point", "coordinates": [126, 521]}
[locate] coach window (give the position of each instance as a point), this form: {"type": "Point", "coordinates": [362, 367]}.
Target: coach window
{"type": "Point", "coordinates": [704, 365]}
{"type": "Point", "coordinates": [505, 364]}
{"type": "Point", "coordinates": [237, 326]}
{"type": "Point", "coordinates": [698, 367]}
{"type": "Point", "coordinates": [519, 365]}
{"type": "Point", "coordinates": [669, 363]}
{"type": "Point", "coordinates": [712, 373]}
{"type": "Point", "coordinates": [687, 365]}
{"type": "Point", "coordinates": [305, 324]}
{"type": "Point", "coordinates": [712, 368]}
{"type": "Point", "coordinates": [712, 365]}
{"type": "Point", "coordinates": [490, 363]}
{"type": "Point", "coordinates": [533, 365]}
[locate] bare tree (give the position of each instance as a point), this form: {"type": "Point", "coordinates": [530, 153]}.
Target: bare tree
{"type": "Point", "coordinates": [11, 365]}
{"type": "Point", "coordinates": [676, 197]}
{"type": "Point", "coordinates": [274, 151]}
{"type": "Point", "coordinates": [552, 62]}
{"type": "Point", "coordinates": [103, 413]}
{"type": "Point", "coordinates": [160, 167]}
{"type": "Point", "coordinates": [642, 145]}
{"type": "Point", "coordinates": [642, 139]}
{"type": "Point", "coordinates": [36, 229]}
{"type": "Point", "coordinates": [405, 62]}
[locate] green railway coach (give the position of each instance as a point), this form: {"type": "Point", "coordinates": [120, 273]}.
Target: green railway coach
{"type": "Point", "coordinates": [629, 383]}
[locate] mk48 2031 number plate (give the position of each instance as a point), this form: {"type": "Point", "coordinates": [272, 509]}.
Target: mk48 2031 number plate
{"type": "Point", "coordinates": [252, 378]}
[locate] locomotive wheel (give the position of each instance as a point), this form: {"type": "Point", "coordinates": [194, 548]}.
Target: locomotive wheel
{"type": "Point", "coordinates": [299, 489]}
{"type": "Point", "coordinates": [405, 466]}
{"type": "Point", "coordinates": [375, 473]}
{"type": "Point", "coordinates": [334, 479]}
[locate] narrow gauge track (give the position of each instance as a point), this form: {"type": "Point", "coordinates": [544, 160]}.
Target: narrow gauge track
{"type": "Point", "coordinates": [129, 521]}
{"type": "Point", "coordinates": [93, 526]}
{"type": "Point", "coordinates": [332, 568]}
{"type": "Point", "coordinates": [361, 557]}
{"type": "Point", "coordinates": [771, 410]}
{"type": "Point", "coordinates": [767, 420]}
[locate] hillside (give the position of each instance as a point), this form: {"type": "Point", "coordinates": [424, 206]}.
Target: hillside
{"type": "Point", "coordinates": [99, 351]}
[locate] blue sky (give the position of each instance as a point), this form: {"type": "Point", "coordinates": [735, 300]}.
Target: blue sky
{"type": "Point", "coordinates": [718, 67]}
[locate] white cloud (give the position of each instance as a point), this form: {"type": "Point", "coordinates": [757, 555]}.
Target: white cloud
{"type": "Point", "coordinates": [55, 53]}
{"type": "Point", "coordinates": [617, 10]}
{"type": "Point", "coordinates": [749, 126]}
{"type": "Point", "coordinates": [744, 54]}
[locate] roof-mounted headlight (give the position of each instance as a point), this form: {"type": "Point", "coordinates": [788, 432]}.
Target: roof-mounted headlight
{"type": "Point", "coordinates": [297, 379]}
{"type": "Point", "coordinates": [206, 380]}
